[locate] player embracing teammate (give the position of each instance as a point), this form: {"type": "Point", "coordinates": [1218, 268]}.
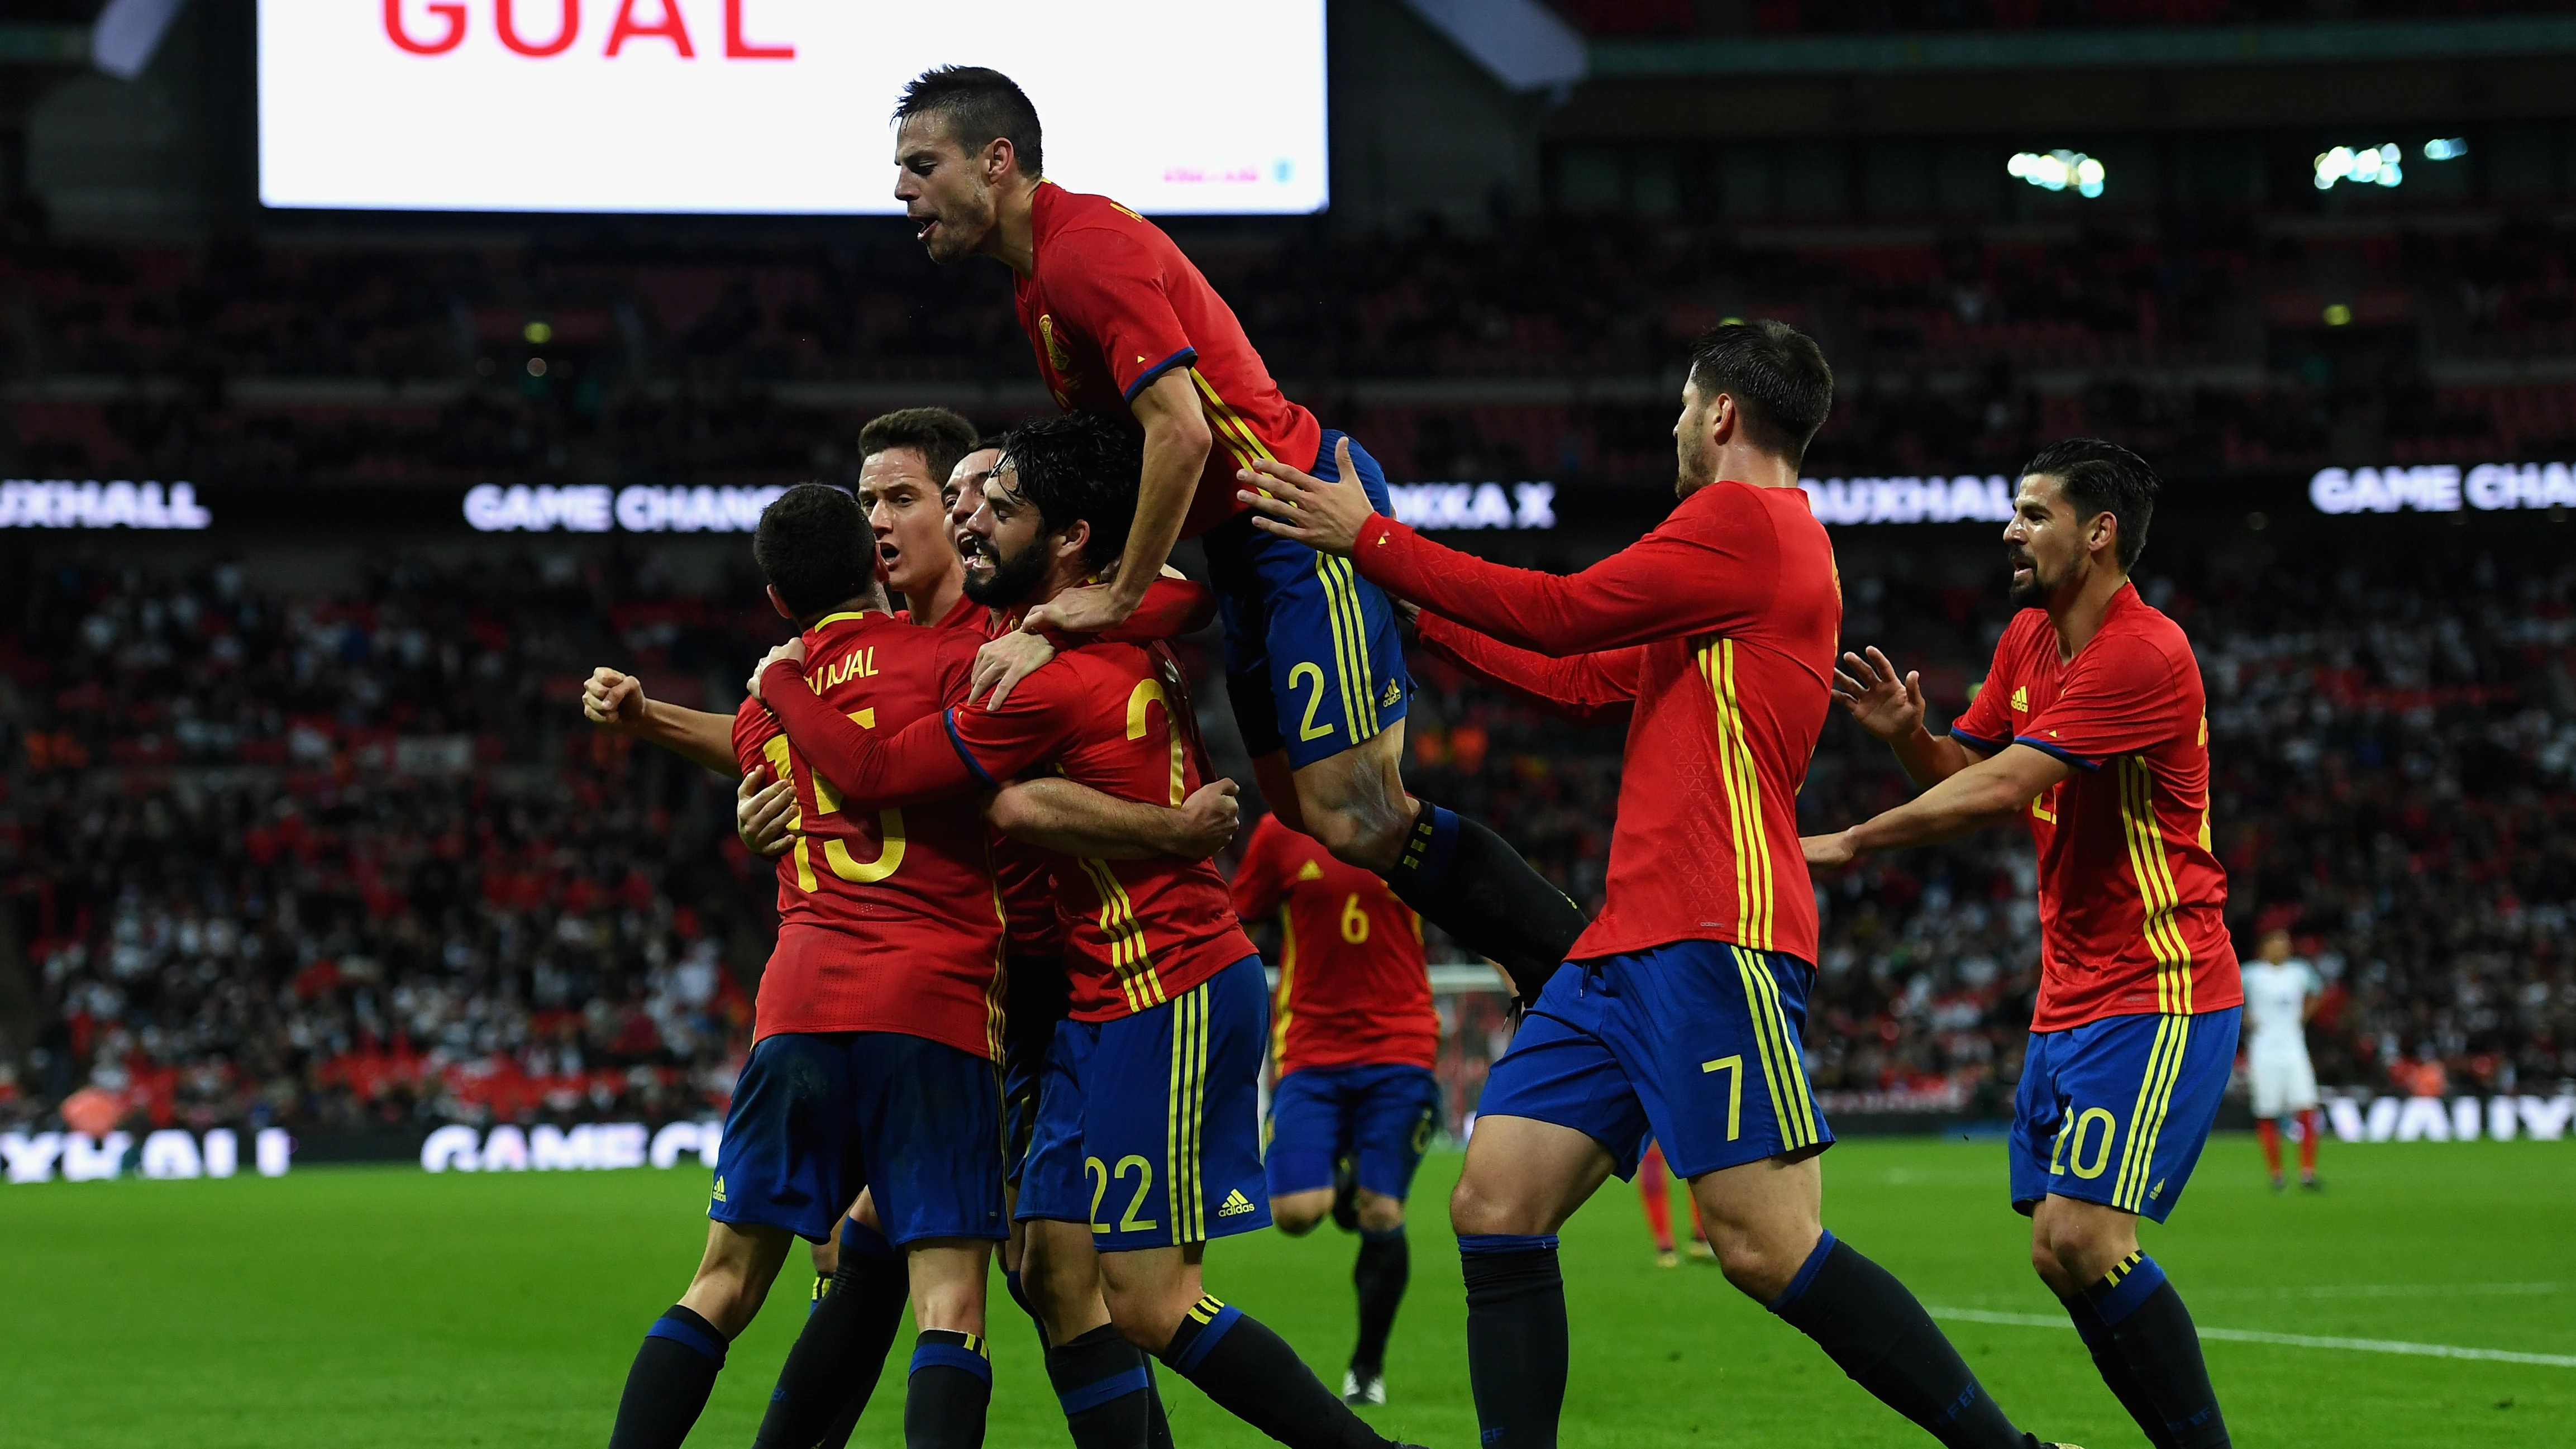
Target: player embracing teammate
{"type": "Point", "coordinates": [2093, 729]}
{"type": "Point", "coordinates": [1713, 637]}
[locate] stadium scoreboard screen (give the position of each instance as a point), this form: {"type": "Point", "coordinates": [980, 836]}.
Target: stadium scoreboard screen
{"type": "Point", "coordinates": [772, 106]}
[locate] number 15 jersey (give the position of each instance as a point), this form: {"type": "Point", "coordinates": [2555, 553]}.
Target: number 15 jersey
{"type": "Point", "coordinates": [887, 918]}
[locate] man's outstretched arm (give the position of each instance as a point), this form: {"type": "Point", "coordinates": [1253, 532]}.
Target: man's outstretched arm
{"type": "Point", "coordinates": [1891, 709]}
{"type": "Point", "coordinates": [1073, 819]}
{"type": "Point", "coordinates": [872, 769]}
{"type": "Point", "coordinates": [1588, 689]}
{"type": "Point", "coordinates": [1711, 566]}
{"type": "Point", "coordinates": [1984, 793]}
{"type": "Point", "coordinates": [615, 702]}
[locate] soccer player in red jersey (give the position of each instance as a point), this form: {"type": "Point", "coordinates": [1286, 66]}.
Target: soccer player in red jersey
{"type": "Point", "coordinates": [1147, 1132]}
{"type": "Point", "coordinates": [1354, 1038]}
{"type": "Point", "coordinates": [2093, 729]}
{"type": "Point", "coordinates": [1125, 328]}
{"type": "Point", "coordinates": [1713, 637]}
{"type": "Point", "coordinates": [878, 1021]}
{"type": "Point", "coordinates": [1655, 1192]}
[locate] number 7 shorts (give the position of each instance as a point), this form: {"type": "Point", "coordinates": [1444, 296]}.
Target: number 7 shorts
{"type": "Point", "coordinates": [1149, 1126]}
{"type": "Point", "coordinates": [2116, 1111]}
{"type": "Point", "coordinates": [1313, 662]}
{"type": "Point", "coordinates": [1696, 1043]}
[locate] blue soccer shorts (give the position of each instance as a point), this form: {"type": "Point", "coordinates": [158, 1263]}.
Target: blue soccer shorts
{"type": "Point", "coordinates": [1695, 1043]}
{"type": "Point", "coordinates": [1381, 1117]}
{"type": "Point", "coordinates": [1149, 1126]}
{"type": "Point", "coordinates": [816, 1117]}
{"type": "Point", "coordinates": [1313, 662]}
{"type": "Point", "coordinates": [1038, 994]}
{"type": "Point", "coordinates": [2116, 1111]}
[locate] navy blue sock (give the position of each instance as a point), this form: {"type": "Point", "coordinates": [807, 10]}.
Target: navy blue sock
{"type": "Point", "coordinates": [1385, 1265]}
{"type": "Point", "coordinates": [667, 1388]}
{"type": "Point", "coordinates": [2154, 1334]}
{"type": "Point", "coordinates": [1464, 879]}
{"type": "Point", "coordinates": [1875, 1331]}
{"type": "Point", "coordinates": [950, 1388]}
{"type": "Point", "coordinates": [1254, 1375]}
{"type": "Point", "coordinates": [833, 1367]}
{"type": "Point", "coordinates": [2115, 1370]}
{"type": "Point", "coordinates": [1516, 1341]}
{"type": "Point", "coordinates": [1101, 1380]}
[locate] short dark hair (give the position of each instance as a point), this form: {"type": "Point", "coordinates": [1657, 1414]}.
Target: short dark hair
{"type": "Point", "coordinates": [815, 548]}
{"type": "Point", "coordinates": [940, 436]}
{"type": "Point", "coordinates": [1777, 376]}
{"type": "Point", "coordinates": [1079, 467]}
{"type": "Point", "coordinates": [980, 105]}
{"type": "Point", "coordinates": [2101, 478]}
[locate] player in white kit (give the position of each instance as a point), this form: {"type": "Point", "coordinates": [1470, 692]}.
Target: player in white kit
{"type": "Point", "coordinates": [2280, 990]}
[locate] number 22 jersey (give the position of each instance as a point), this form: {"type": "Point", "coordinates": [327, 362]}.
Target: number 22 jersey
{"type": "Point", "coordinates": [887, 919]}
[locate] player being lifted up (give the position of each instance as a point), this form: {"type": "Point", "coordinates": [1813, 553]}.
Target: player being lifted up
{"type": "Point", "coordinates": [1713, 637]}
{"type": "Point", "coordinates": [1125, 328]}
{"type": "Point", "coordinates": [2092, 728]}
{"type": "Point", "coordinates": [1354, 1038]}
{"type": "Point", "coordinates": [1147, 1130]}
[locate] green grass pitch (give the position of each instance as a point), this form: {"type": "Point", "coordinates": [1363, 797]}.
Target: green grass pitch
{"type": "Point", "coordinates": [389, 1307]}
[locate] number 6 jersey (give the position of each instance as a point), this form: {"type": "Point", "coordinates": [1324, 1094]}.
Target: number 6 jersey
{"type": "Point", "coordinates": [887, 917]}
{"type": "Point", "coordinates": [1353, 990]}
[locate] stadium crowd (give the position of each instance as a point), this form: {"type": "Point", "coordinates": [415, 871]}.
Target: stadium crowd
{"type": "Point", "coordinates": [2207, 338]}
{"type": "Point", "coordinates": [343, 856]}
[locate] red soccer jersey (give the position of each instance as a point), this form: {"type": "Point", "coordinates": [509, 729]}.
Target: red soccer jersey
{"type": "Point", "coordinates": [1353, 990]}
{"type": "Point", "coordinates": [1714, 635]}
{"type": "Point", "coordinates": [887, 919]}
{"type": "Point", "coordinates": [2132, 904]}
{"type": "Point", "coordinates": [1110, 304]}
{"type": "Point", "coordinates": [1115, 717]}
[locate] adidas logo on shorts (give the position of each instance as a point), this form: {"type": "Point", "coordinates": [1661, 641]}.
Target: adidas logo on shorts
{"type": "Point", "coordinates": [1236, 1204]}
{"type": "Point", "coordinates": [719, 1192]}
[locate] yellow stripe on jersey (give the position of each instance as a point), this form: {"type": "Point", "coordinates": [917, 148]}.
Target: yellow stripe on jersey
{"type": "Point", "coordinates": [997, 990]}
{"type": "Point", "coordinates": [2158, 897]}
{"type": "Point", "coordinates": [2147, 1119]}
{"type": "Point", "coordinates": [1754, 887]}
{"type": "Point", "coordinates": [1287, 985]}
{"type": "Point", "coordinates": [1784, 1071]}
{"type": "Point", "coordinates": [1228, 425]}
{"type": "Point", "coordinates": [1128, 958]}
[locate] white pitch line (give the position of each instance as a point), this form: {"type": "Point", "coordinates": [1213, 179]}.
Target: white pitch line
{"type": "Point", "coordinates": [2289, 1340]}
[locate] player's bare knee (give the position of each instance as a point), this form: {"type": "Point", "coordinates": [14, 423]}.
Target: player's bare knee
{"type": "Point", "coordinates": [1380, 1214]}
{"type": "Point", "coordinates": [1473, 1212]}
{"type": "Point", "coordinates": [1296, 1223]}
{"type": "Point", "coordinates": [1365, 834]}
{"type": "Point", "coordinates": [1144, 1315]}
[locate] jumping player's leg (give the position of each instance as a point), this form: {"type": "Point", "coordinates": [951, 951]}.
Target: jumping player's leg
{"type": "Point", "coordinates": [1315, 672]}
{"type": "Point", "coordinates": [2108, 1123]}
{"type": "Point", "coordinates": [676, 1369]}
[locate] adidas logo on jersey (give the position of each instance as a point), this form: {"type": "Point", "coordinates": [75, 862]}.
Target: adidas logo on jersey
{"type": "Point", "coordinates": [1311, 870]}
{"type": "Point", "coordinates": [1236, 1205]}
{"type": "Point", "coordinates": [2021, 699]}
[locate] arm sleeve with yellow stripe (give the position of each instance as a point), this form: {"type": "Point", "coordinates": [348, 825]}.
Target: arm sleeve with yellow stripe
{"type": "Point", "coordinates": [872, 769]}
